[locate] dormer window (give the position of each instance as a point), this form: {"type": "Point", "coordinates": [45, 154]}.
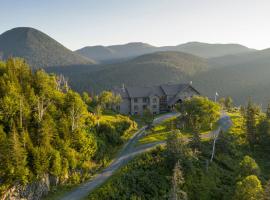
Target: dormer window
{"type": "Point", "coordinates": [135, 100]}
{"type": "Point", "coordinates": [154, 100]}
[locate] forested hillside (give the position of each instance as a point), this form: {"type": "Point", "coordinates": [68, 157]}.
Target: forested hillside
{"type": "Point", "coordinates": [39, 50]}
{"type": "Point", "coordinates": [149, 69]}
{"type": "Point", "coordinates": [48, 133]}
{"type": "Point", "coordinates": [241, 76]}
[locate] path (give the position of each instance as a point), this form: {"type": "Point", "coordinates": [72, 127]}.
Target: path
{"type": "Point", "coordinates": [128, 152]}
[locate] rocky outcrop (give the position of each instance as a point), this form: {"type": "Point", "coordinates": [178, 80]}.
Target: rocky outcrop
{"type": "Point", "coordinates": [33, 191]}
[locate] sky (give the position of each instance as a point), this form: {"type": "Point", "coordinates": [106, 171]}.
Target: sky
{"type": "Point", "coordinates": [79, 23]}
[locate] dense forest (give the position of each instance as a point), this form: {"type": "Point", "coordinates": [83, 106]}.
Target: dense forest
{"type": "Point", "coordinates": [48, 129]}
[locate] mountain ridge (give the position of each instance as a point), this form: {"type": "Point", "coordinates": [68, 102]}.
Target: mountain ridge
{"type": "Point", "coordinates": [39, 49]}
{"type": "Point", "coordinates": [132, 50]}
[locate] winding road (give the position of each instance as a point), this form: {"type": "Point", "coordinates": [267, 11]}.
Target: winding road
{"type": "Point", "coordinates": [127, 153]}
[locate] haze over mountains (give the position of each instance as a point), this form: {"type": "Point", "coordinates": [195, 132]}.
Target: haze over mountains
{"type": "Point", "coordinates": [114, 53]}
{"type": "Point", "coordinates": [230, 69]}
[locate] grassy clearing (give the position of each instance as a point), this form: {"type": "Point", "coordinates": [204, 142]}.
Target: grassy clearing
{"type": "Point", "coordinates": [161, 131]}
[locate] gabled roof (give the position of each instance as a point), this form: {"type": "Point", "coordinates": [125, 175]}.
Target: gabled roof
{"type": "Point", "coordinates": [144, 91]}
{"type": "Point", "coordinates": [122, 91]}
{"type": "Point", "coordinates": [162, 90]}
{"type": "Point", "coordinates": [171, 90]}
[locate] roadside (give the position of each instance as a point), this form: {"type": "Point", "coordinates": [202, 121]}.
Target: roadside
{"type": "Point", "coordinates": [126, 154]}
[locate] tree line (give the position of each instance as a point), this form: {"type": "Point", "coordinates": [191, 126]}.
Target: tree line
{"type": "Point", "coordinates": [47, 128]}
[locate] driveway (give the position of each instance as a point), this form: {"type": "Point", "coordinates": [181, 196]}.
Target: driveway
{"type": "Point", "coordinates": [127, 153]}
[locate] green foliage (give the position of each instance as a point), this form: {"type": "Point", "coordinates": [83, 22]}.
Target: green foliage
{"type": "Point", "coordinates": [148, 117]}
{"type": "Point", "coordinates": [199, 112]}
{"type": "Point", "coordinates": [145, 177]}
{"type": "Point", "coordinates": [249, 188]}
{"type": "Point", "coordinates": [228, 103]}
{"type": "Point", "coordinates": [268, 111]}
{"type": "Point", "coordinates": [108, 99]}
{"type": "Point", "coordinates": [46, 129]}
{"type": "Point", "coordinates": [252, 113]}
{"type": "Point", "coordinates": [177, 149]}
{"type": "Point", "coordinates": [178, 181]}
{"type": "Point", "coordinates": [248, 166]}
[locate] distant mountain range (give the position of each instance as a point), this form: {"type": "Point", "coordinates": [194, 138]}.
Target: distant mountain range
{"type": "Point", "coordinates": [38, 49]}
{"type": "Point", "coordinates": [124, 52]}
{"type": "Point", "coordinates": [231, 69]}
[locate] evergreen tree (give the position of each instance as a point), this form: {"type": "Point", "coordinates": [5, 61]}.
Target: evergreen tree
{"type": "Point", "coordinates": [248, 166]}
{"type": "Point", "coordinates": [195, 141]}
{"type": "Point", "coordinates": [249, 188]}
{"type": "Point", "coordinates": [228, 103]}
{"type": "Point", "coordinates": [267, 191]}
{"type": "Point", "coordinates": [251, 113]}
{"type": "Point", "coordinates": [177, 192]}
{"type": "Point", "coordinates": [17, 165]}
{"type": "Point", "coordinates": [268, 111]}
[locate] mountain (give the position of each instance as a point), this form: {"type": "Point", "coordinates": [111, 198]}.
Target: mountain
{"type": "Point", "coordinates": [248, 58]}
{"type": "Point", "coordinates": [124, 52]}
{"type": "Point", "coordinates": [149, 69]}
{"type": "Point", "coordinates": [241, 76]}
{"type": "Point", "coordinates": [115, 53]}
{"type": "Point", "coordinates": [206, 50]}
{"type": "Point", "coordinates": [38, 49]}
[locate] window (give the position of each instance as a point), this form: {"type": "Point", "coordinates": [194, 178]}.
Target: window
{"type": "Point", "coordinates": [145, 100]}
{"type": "Point", "coordinates": [135, 100]}
{"type": "Point", "coordinates": [144, 107]}
{"type": "Point", "coordinates": [118, 108]}
{"type": "Point", "coordinates": [154, 113]}
{"type": "Point", "coordinates": [154, 100]}
{"type": "Point", "coordinates": [136, 108]}
{"type": "Point", "coordinates": [154, 106]}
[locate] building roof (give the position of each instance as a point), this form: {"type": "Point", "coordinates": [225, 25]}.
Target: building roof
{"type": "Point", "coordinates": [122, 91]}
{"type": "Point", "coordinates": [166, 89]}
{"type": "Point", "coordinates": [171, 90]}
{"type": "Point", "coordinates": [144, 91]}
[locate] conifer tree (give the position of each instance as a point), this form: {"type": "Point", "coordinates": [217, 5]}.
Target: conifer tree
{"type": "Point", "coordinates": [177, 192]}
{"type": "Point", "coordinates": [18, 158]}
{"type": "Point", "coordinates": [251, 112]}
{"type": "Point", "coordinates": [267, 191]}
{"type": "Point", "coordinates": [268, 111]}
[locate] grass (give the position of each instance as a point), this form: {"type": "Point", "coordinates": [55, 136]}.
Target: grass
{"type": "Point", "coordinates": [57, 192]}
{"type": "Point", "coordinates": [160, 132]}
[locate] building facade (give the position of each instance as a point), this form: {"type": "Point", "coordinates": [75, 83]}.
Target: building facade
{"type": "Point", "coordinates": [157, 99]}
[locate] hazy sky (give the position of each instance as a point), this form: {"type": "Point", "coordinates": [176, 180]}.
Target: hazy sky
{"type": "Point", "coordinates": [77, 23]}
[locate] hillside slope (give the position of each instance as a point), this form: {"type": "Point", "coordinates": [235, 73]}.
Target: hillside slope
{"type": "Point", "coordinates": [206, 50]}
{"type": "Point", "coordinates": [150, 69]}
{"type": "Point", "coordinates": [37, 48]}
{"type": "Point", "coordinates": [246, 76]}
{"type": "Point", "coordinates": [131, 50]}
{"type": "Point", "coordinates": [240, 76]}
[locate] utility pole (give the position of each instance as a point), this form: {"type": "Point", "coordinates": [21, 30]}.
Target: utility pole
{"type": "Point", "coordinates": [216, 95]}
